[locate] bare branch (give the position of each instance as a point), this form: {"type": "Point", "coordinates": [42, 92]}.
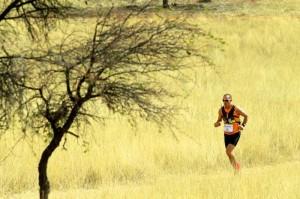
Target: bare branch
{"type": "Point", "coordinates": [73, 134]}
{"type": "Point", "coordinates": [37, 15]}
{"type": "Point", "coordinates": [8, 9]}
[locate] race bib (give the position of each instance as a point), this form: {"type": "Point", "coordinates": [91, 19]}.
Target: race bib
{"type": "Point", "coordinates": [228, 128]}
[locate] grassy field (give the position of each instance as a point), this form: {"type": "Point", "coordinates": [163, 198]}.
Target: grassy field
{"type": "Point", "coordinates": [259, 66]}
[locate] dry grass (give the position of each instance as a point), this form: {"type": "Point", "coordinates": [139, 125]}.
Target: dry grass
{"type": "Point", "coordinates": [260, 67]}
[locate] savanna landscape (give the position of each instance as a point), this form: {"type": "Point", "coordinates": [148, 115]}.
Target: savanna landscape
{"type": "Point", "coordinates": [253, 54]}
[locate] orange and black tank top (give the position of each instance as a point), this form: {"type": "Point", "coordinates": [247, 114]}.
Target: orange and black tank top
{"type": "Point", "coordinates": [231, 118]}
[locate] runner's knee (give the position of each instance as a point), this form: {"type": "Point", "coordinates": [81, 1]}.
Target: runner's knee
{"type": "Point", "coordinates": [229, 153]}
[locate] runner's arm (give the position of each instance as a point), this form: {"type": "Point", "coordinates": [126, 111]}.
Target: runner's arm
{"type": "Point", "coordinates": [218, 122]}
{"type": "Point", "coordinates": [242, 113]}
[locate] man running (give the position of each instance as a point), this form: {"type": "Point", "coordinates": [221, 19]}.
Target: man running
{"type": "Point", "coordinates": [230, 115]}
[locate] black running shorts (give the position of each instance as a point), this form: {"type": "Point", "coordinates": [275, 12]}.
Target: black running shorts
{"type": "Point", "coordinates": [232, 139]}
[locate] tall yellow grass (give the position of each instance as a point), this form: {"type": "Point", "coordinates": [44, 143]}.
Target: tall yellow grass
{"type": "Point", "coordinates": [259, 67]}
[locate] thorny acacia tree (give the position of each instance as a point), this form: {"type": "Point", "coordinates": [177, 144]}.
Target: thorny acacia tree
{"type": "Point", "coordinates": [117, 66]}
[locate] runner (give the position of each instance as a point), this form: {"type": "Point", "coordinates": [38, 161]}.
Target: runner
{"type": "Point", "coordinates": [230, 114]}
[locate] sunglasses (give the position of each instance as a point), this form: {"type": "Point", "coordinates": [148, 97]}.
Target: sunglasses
{"type": "Point", "coordinates": [226, 100]}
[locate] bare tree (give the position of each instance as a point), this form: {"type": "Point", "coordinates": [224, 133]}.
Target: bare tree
{"type": "Point", "coordinates": [121, 65]}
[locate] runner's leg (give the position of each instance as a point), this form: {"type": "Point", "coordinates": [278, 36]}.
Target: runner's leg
{"type": "Point", "coordinates": [229, 152]}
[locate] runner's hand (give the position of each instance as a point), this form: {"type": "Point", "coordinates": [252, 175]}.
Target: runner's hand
{"type": "Point", "coordinates": [217, 124]}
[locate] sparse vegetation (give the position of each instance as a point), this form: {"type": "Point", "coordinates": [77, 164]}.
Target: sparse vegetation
{"type": "Point", "coordinates": [259, 66]}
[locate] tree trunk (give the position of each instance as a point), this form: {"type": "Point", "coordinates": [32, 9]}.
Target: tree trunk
{"type": "Point", "coordinates": [43, 179]}
{"type": "Point", "coordinates": [165, 3]}
{"type": "Point", "coordinates": [58, 134]}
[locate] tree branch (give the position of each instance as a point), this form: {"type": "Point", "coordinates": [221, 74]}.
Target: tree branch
{"type": "Point", "coordinates": [8, 9]}
{"type": "Point", "coordinates": [73, 134]}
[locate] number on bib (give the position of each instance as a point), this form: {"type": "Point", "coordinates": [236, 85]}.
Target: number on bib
{"type": "Point", "coordinates": [228, 128]}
